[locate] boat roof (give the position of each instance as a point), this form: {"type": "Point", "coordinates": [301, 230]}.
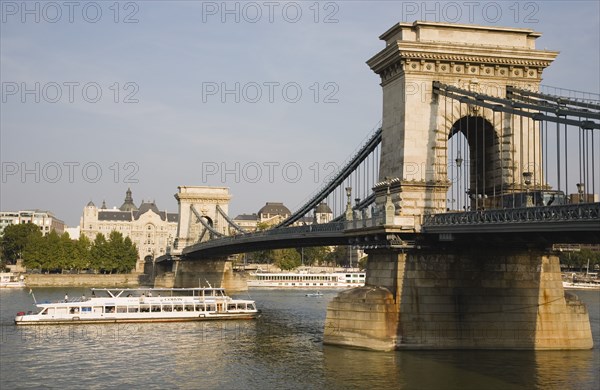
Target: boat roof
{"type": "Point", "coordinates": [159, 289]}
{"type": "Point", "coordinates": [309, 273]}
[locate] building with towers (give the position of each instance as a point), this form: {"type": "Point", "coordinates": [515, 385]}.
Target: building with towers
{"type": "Point", "coordinates": [151, 230]}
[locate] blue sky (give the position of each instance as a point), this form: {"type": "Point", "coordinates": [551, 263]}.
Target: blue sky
{"type": "Point", "coordinates": [306, 96]}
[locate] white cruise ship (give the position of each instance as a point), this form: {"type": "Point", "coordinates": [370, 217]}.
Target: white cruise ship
{"type": "Point", "coordinates": [10, 280]}
{"type": "Point", "coordinates": [307, 280]}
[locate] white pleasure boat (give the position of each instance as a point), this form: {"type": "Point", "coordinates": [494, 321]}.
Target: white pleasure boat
{"type": "Point", "coordinates": [142, 305]}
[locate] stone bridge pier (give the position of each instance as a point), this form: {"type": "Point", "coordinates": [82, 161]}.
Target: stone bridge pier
{"type": "Point", "coordinates": [460, 298]}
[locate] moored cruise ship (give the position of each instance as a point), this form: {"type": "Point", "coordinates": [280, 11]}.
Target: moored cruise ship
{"type": "Point", "coordinates": [142, 305]}
{"type": "Point", "coordinates": [307, 280]}
{"type": "Point", "coordinates": [10, 280]}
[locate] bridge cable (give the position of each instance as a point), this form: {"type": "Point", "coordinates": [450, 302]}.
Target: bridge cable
{"type": "Point", "coordinates": [230, 221]}
{"type": "Point", "coordinates": [340, 178]}
{"type": "Point", "coordinates": [204, 223]}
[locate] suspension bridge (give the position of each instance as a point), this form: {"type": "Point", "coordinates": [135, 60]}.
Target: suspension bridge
{"type": "Point", "coordinates": [476, 171]}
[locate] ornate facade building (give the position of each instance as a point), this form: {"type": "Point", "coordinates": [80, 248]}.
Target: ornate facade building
{"type": "Point", "coordinates": [151, 230]}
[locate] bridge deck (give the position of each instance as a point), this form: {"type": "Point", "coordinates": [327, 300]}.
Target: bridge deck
{"type": "Point", "coordinates": [547, 224]}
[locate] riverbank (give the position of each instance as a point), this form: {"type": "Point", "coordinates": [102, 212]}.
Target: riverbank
{"type": "Point", "coordinates": [86, 280]}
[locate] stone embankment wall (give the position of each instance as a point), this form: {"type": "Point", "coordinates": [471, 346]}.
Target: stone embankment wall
{"type": "Point", "coordinates": [85, 280]}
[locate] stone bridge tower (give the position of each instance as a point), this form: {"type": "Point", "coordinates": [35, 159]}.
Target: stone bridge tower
{"type": "Point", "coordinates": [417, 124]}
{"type": "Point", "coordinates": [204, 200]}
{"type": "Point", "coordinates": [476, 294]}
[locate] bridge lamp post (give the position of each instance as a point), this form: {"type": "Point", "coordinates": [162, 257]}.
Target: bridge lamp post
{"type": "Point", "coordinates": [459, 162]}
{"type": "Point", "coordinates": [580, 191]}
{"type": "Point", "coordinates": [527, 179]}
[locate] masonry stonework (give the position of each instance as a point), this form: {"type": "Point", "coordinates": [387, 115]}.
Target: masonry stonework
{"type": "Point", "coordinates": [417, 123]}
{"type": "Point", "coordinates": [463, 300]}
{"type": "Point", "coordinates": [455, 297]}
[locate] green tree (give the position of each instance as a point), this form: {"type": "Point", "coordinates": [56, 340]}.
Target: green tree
{"type": "Point", "coordinates": [15, 238]}
{"type": "Point", "coordinates": [82, 258]}
{"type": "Point", "coordinates": [99, 252]}
{"type": "Point", "coordinates": [35, 253]}
{"type": "Point", "coordinates": [314, 255]}
{"type": "Point", "coordinates": [579, 260]}
{"type": "Point", "coordinates": [260, 226]}
{"type": "Point", "coordinates": [338, 256]}
{"type": "Point", "coordinates": [265, 257]}
{"type": "Point", "coordinates": [67, 252]}
{"type": "Point", "coordinates": [286, 259]}
{"type": "Point", "coordinates": [53, 258]}
{"type": "Point", "coordinates": [122, 252]}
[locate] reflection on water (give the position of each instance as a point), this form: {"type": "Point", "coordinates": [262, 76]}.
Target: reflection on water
{"type": "Point", "coordinates": [282, 349]}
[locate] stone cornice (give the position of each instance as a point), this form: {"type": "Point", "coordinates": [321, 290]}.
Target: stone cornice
{"type": "Point", "coordinates": [436, 57]}
{"type": "Point", "coordinates": [195, 198]}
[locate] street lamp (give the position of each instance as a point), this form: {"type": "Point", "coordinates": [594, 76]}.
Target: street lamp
{"type": "Point", "coordinates": [459, 162]}
{"type": "Point", "coordinates": [527, 179]}
{"type": "Point", "coordinates": [580, 191]}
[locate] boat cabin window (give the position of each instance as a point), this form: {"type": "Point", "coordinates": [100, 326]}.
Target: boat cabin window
{"type": "Point", "coordinates": [44, 311]}
{"type": "Point", "coordinates": [132, 309]}
{"type": "Point", "coordinates": [86, 310]}
{"type": "Point", "coordinates": [109, 309]}
{"type": "Point", "coordinates": [167, 308]}
{"type": "Point", "coordinates": [74, 310]}
{"type": "Point", "coordinates": [121, 309]}
{"type": "Point", "coordinates": [155, 308]}
{"type": "Point", "coordinates": [144, 308]}
{"type": "Point", "coordinates": [189, 307]}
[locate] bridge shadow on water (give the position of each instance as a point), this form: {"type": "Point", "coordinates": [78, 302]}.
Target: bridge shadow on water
{"type": "Point", "coordinates": [455, 369]}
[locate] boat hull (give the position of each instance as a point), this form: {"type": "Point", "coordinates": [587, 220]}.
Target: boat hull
{"type": "Point", "coordinates": [112, 320]}
{"type": "Point", "coordinates": [581, 286]}
{"type": "Point", "coordinates": [12, 285]}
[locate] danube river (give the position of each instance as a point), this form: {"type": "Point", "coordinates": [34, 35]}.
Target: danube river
{"type": "Point", "coordinates": [281, 350]}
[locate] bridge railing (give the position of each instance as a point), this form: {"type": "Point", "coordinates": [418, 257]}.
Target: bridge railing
{"type": "Point", "coordinates": [573, 212]}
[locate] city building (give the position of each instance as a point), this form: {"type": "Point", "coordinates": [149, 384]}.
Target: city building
{"type": "Point", "coordinates": [151, 230]}
{"type": "Point", "coordinates": [323, 213]}
{"type": "Point", "coordinates": [46, 220]}
{"type": "Point", "coordinates": [272, 213]}
{"type": "Point", "coordinates": [73, 232]}
{"type": "Point", "coordinates": [247, 221]}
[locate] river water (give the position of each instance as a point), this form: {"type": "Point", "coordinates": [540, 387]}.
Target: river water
{"type": "Point", "coordinates": [283, 349]}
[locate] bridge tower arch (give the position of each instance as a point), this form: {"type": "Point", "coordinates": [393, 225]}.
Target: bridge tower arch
{"type": "Point", "coordinates": [198, 208]}
{"type": "Point", "coordinates": [475, 170]}
{"type": "Point", "coordinates": [417, 122]}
